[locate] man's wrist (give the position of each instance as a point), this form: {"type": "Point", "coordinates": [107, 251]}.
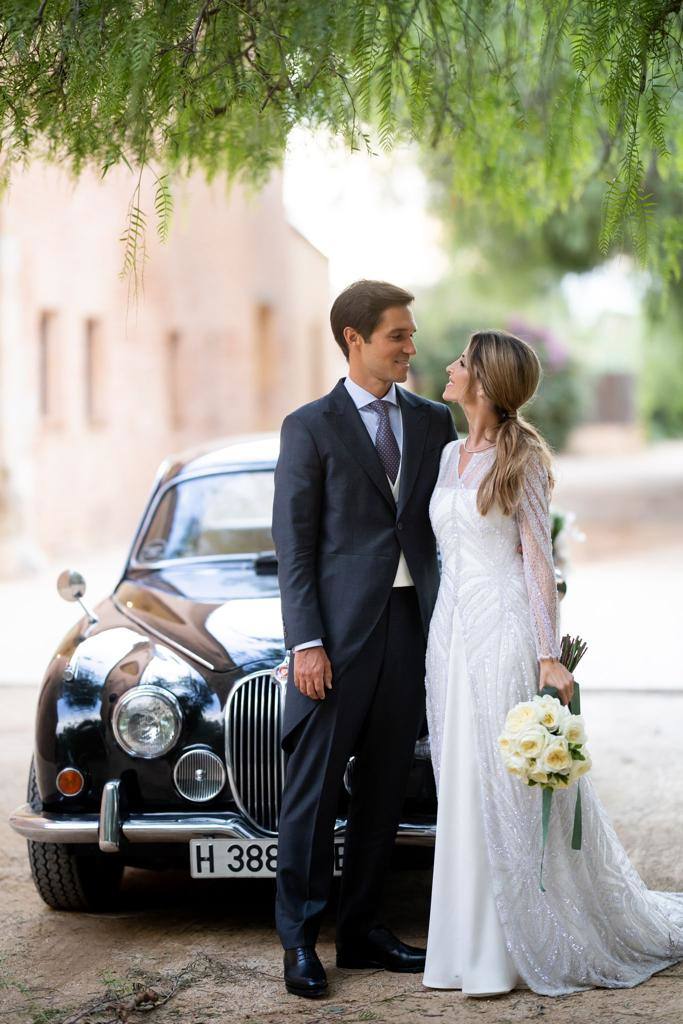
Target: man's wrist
{"type": "Point", "coordinates": [305, 646]}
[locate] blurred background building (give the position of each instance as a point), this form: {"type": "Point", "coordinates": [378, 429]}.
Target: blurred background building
{"type": "Point", "coordinates": [229, 332]}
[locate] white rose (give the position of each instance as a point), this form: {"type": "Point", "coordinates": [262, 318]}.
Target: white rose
{"type": "Point", "coordinates": [556, 756]}
{"type": "Point", "coordinates": [520, 717]}
{"type": "Point", "coordinates": [517, 766]}
{"type": "Point", "coordinates": [574, 730]}
{"type": "Point", "coordinates": [549, 711]}
{"type": "Point", "coordinates": [565, 714]}
{"type": "Point", "coordinates": [537, 775]}
{"type": "Point", "coordinates": [507, 744]}
{"type": "Point", "coordinates": [579, 768]}
{"type": "Point", "coordinates": [532, 742]}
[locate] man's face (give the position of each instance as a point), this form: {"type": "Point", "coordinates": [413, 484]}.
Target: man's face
{"type": "Point", "coordinates": [385, 358]}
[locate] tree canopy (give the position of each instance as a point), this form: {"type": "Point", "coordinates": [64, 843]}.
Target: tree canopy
{"type": "Point", "coordinates": [523, 105]}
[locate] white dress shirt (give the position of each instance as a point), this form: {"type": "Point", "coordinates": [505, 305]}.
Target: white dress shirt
{"type": "Point", "coordinates": [361, 399]}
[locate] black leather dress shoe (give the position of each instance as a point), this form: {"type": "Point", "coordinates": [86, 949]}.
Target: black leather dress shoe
{"type": "Point", "coordinates": [381, 948]}
{"type": "Point", "coordinates": [304, 974]}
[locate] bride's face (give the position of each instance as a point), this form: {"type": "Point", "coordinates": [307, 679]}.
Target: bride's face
{"type": "Point", "coordinates": [458, 380]}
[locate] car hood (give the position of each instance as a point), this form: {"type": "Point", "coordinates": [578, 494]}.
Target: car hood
{"type": "Point", "coordinates": [224, 617]}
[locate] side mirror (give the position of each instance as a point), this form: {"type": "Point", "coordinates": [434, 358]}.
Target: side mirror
{"type": "Point", "coordinates": [71, 586]}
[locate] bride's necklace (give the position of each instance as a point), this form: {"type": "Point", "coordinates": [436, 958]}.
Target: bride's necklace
{"type": "Point", "coordinates": [475, 451]}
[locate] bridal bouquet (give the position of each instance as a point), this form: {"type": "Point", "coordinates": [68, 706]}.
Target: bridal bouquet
{"type": "Point", "coordinates": [543, 743]}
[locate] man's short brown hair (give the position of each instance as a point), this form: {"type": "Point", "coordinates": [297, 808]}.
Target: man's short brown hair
{"type": "Point", "coordinates": [361, 306]}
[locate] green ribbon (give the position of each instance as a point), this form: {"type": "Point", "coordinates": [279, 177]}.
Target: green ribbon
{"type": "Point", "coordinates": [547, 804]}
{"type": "Point", "coordinates": [576, 831]}
{"type": "Point", "coordinates": [575, 708]}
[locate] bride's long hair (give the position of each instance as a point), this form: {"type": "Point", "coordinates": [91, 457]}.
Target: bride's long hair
{"type": "Point", "coordinates": [509, 372]}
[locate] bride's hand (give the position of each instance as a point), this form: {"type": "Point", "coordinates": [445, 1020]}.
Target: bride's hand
{"type": "Point", "coordinates": [555, 674]}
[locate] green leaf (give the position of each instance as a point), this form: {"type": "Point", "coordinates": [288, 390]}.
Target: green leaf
{"type": "Point", "coordinates": [163, 206]}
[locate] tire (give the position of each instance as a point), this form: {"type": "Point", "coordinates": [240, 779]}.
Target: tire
{"type": "Point", "coordinates": [67, 880]}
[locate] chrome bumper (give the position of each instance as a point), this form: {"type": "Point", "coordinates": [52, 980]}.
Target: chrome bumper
{"type": "Point", "coordinates": [108, 831]}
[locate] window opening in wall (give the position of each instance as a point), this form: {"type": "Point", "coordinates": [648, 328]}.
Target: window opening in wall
{"type": "Point", "coordinates": [266, 362]}
{"type": "Point", "coordinates": [93, 374]}
{"type": "Point", "coordinates": [174, 385]}
{"type": "Point", "coordinates": [46, 368]}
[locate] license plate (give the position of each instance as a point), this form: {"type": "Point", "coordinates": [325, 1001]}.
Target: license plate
{"type": "Point", "coordinates": [242, 858]}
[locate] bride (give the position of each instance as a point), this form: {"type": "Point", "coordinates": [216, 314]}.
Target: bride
{"type": "Point", "coordinates": [493, 641]}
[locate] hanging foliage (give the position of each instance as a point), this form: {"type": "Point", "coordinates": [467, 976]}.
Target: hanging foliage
{"type": "Point", "coordinates": [523, 103]}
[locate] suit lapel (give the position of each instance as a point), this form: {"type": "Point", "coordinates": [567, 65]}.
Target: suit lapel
{"type": "Point", "coordinates": [351, 430]}
{"type": "Point", "coordinates": [415, 428]}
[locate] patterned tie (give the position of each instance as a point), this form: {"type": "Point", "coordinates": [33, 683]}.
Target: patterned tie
{"type": "Point", "coordinates": [385, 441]}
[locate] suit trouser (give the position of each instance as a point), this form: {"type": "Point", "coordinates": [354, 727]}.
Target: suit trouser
{"type": "Point", "coordinates": [374, 711]}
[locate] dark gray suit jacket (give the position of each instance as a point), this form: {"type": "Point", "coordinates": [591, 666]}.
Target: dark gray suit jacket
{"type": "Point", "coordinates": [338, 531]}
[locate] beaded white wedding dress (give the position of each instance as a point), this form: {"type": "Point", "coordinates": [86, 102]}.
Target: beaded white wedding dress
{"type": "Point", "coordinates": [491, 929]}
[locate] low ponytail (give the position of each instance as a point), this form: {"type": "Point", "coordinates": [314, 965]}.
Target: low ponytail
{"type": "Point", "coordinates": [509, 371]}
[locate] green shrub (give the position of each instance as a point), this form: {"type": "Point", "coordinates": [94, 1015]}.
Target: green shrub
{"type": "Point", "coordinates": [661, 383]}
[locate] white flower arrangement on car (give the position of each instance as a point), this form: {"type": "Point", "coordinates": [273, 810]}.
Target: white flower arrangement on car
{"type": "Point", "coordinates": [543, 743]}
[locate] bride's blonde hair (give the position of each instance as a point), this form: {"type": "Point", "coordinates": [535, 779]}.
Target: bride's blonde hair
{"type": "Point", "coordinates": [509, 372]}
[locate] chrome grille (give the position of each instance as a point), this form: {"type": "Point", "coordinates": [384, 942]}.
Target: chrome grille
{"type": "Point", "coordinates": [199, 775]}
{"type": "Point", "coordinates": [252, 749]}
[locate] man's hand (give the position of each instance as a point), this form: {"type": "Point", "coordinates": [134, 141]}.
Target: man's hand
{"type": "Point", "coordinates": [312, 672]}
{"type": "Point", "coordinates": [553, 673]}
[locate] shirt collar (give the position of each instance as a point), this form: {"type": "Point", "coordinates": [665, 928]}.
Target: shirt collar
{"type": "Point", "coordinates": [361, 397]}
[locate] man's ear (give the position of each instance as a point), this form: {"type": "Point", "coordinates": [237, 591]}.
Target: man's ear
{"type": "Point", "coordinates": [351, 336]}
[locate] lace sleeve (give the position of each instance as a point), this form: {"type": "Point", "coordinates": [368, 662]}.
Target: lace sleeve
{"type": "Point", "coordinates": [533, 519]}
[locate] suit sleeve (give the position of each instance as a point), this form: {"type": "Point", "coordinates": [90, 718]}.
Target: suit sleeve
{"type": "Point", "coordinates": [296, 519]}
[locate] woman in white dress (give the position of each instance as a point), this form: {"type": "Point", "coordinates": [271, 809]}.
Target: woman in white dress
{"type": "Point", "coordinates": [493, 641]}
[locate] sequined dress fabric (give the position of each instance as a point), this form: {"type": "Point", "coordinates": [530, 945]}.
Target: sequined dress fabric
{"type": "Point", "coordinates": [491, 929]}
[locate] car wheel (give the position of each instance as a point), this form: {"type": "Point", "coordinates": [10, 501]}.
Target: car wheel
{"type": "Point", "coordinates": [67, 880]}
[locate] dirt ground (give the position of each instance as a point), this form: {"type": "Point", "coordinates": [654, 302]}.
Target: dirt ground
{"type": "Point", "coordinates": [211, 946]}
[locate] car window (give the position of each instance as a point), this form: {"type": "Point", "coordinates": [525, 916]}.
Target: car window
{"type": "Point", "coordinates": [221, 514]}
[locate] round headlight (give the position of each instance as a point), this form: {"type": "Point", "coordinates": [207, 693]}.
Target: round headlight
{"type": "Point", "coordinates": [147, 721]}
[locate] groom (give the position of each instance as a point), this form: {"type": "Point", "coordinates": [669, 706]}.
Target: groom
{"type": "Point", "coordinates": [358, 576]}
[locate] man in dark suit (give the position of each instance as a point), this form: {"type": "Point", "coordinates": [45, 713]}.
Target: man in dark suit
{"type": "Point", "coordinates": [358, 576]}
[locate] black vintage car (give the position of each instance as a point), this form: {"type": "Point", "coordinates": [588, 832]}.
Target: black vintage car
{"type": "Point", "coordinates": [158, 727]}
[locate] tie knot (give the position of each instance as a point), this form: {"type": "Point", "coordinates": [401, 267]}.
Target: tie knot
{"type": "Point", "coordinates": [379, 406]}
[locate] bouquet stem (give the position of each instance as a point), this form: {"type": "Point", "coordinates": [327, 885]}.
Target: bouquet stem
{"type": "Point", "coordinates": [545, 819]}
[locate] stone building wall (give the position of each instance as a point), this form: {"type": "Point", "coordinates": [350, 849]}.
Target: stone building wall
{"type": "Point", "coordinates": [229, 332]}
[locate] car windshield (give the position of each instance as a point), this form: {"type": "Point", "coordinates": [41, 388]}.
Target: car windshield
{"type": "Point", "coordinates": [212, 516]}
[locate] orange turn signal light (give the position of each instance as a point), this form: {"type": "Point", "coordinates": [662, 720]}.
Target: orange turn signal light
{"type": "Point", "coordinates": [70, 782]}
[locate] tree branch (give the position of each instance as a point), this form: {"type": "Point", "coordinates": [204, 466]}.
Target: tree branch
{"type": "Point", "coordinates": [41, 11]}
{"type": "Point", "coordinates": [189, 44]}
{"type": "Point", "coordinates": [406, 25]}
